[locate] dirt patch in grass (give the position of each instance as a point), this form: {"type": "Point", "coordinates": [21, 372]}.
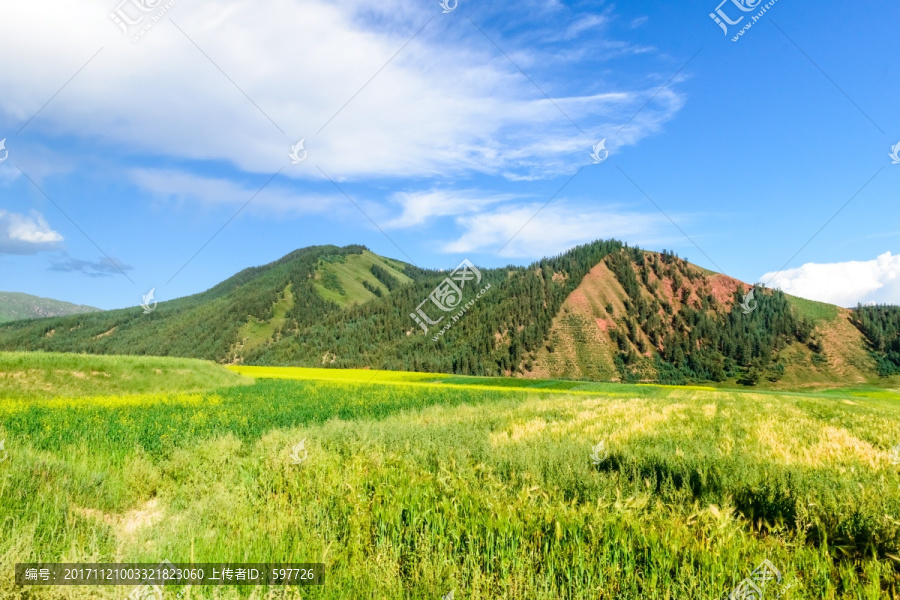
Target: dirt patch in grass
{"type": "Point", "coordinates": [105, 334]}
{"type": "Point", "coordinates": [127, 524]}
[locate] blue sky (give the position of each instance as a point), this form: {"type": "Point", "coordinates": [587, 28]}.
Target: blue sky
{"type": "Point", "coordinates": [433, 137]}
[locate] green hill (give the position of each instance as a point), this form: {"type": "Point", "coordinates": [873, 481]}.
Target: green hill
{"type": "Point", "coordinates": [243, 312]}
{"type": "Point", "coordinates": [602, 311]}
{"type": "Point", "coordinates": [15, 306]}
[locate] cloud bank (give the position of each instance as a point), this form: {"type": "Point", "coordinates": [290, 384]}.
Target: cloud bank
{"type": "Point", "coordinates": [844, 283]}
{"type": "Point", "coordinates": [242, 81]}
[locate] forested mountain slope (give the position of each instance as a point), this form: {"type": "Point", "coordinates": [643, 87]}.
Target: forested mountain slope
{"type": "Point", "coordinates": [210, 324]}
{"type": "Point", "coordinates": [602, 311]}
{"type": "Point", "coordinates": [643, 316]}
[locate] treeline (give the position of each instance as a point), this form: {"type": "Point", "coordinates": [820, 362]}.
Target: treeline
{"type": "Point", "coordinates": [382, 275]}
{"type": "Point", "coordinates": [690, 336]}
{"type": "Point", "coordinates": [881, 327]}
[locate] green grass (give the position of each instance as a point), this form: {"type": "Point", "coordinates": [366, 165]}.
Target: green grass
{"type": "Point", "coordinates": [812, 310]}
{"type": "Point", "coordinates": [512, 384]}
{"type": "Point", "coordinates": [417, 484]}
{"type": "Point", "coordinates": [342, 375]}
{"type": "Point", "coordinates": [255, 332]}
{"type": "Point", "coordinates": [350, 274]}
{"type": "Point", "coordinates": [44, 375]}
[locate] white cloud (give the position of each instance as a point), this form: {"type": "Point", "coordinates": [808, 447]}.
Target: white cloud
{"type": "Point", "coordinates": [586, 23]}
{"type": "Point", "coordinates": [182, 187]}
{"type": "Point", "coordinates": [635, 23]}
{"type": "Point", "coordinates": [21, 234]}
{"type": "Point", "coordinates": [421, 207]}
{"type": "Point", "coordinates": [449, 103]}
{"type": "Point", "coordinates": [8, 174]}
{"type": "Point", "coordinates": [555, 229]}
{"type": "Point", "coordinates": [844, 283]}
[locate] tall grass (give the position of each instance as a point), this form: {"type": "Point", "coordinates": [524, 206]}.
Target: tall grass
{"type": "Point", "coordinates": [43, 375]}
{"type": "Point", "coordinates": [412, 490]}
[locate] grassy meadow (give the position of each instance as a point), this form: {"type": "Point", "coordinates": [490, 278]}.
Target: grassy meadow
{"type": "Point", "coordinates": [418, 484]}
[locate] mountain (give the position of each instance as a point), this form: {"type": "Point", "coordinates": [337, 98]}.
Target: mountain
{"type": "Point", "coordinates": [601, 311]}
{"type": "Point", "coordinates": [15, 306]}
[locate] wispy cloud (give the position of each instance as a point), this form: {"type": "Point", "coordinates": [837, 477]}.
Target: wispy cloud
{"type": "Point", "coordinates": [556, 228]}
{"type": "Point", "coordinates": [438, 117]}
{"type": "Point", "coordinates": [843, 283]}
{"type": "Point", "coordinates": [418, 208]}
{"type": "Point", "coordinates": [586, 23]}
{"type": "Point", "coordinates": [184, 187]}
{"type": "Point", "coordinates": [9, 174]}
{"type": "Point", "coordinates": [102, 267]}
{"type": "Point", "coordinates": [26, 234]}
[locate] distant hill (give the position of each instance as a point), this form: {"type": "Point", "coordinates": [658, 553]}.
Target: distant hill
{"type": "Point", "coordinates": [15, 306]}
{"type": "Point", "coordinates": [236, 318]}
{"type": "Point", "coordinates": [602, 311]}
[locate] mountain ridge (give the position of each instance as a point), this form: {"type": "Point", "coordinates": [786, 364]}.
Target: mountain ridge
{"type": "Point", "coordinates": [15, 306]}
{"type": "Point", "coordinates": [603, 311]}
